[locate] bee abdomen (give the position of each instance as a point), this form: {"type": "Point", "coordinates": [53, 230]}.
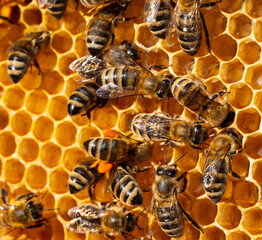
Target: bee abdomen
{"type": "Point", "coordinates": [81, 177]}
{"type": "Point", "coordinates": [98, 36]}
{"type": "Point", "coordinates": [90, 3]}
{"type": "Point", "coordinates": [126, 189]}
{"type": "Point", "coordinates": [57, 9]}
{"type": "Point", "coordinates": [81, 99]}
{"type": "Point", "coordinates": [17, 65]}
{"type": "Point", "coordinates": [189, 35]}
{"type": "Point", "coordinates": [171, 221]}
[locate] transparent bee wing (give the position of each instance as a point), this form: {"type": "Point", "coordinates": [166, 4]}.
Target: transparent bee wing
{"type": "Point", "coordinates": [83, 225]}
{"type": "Point", "coordinates": [42, 3]}
{"type": "Point", "coordinates": [111, 90]}
{"type": "Point", "coordinates": [150, 10]}
{"type": "Point", "coordinates": [88, 211]}
{"type": "Point", "coordinates": [87, 64]}
{"type": "Point", "coordinates": [150, 222]}
{"type": "Point", "coordinates": [175, 16]}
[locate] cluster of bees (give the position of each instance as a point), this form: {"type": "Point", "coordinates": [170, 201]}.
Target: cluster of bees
{"type": "Point", "coordinates": [114, 72]}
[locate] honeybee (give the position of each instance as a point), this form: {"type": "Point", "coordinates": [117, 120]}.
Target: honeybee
{"type": "Point", "coordinates": [110, 220]}
{"type": "Point", "coordinates": [23, 51]}
{"type": "Point", "coordinates": [157, 15]}
{"type": "Point", "coordinates": [25, 213]}
{"type": "Point", "coordinates": [161, 127]}
{"type": "Point", "coordinates": [124, 187]}
{"type": "Point", "coordinates": [116, 150]}
{"type": "Point", "coordinates": [187, 20]}
{"type": "Point", "coordinates": [218, 162]}
{"type": "Point", "coordinates": [89, 67]}
{"type": "Point", "coordinates": [131, 81]}
{"type": "Point", "coordinates": [99, 31]}
{"type": "Point", "coordinates": [84, 99]}
{"type": "Point", "coordinates": [165, 204]}
{"type": "Point", "coordinates": [195, 98]}
{"type": "Point", "coordinates": [93, 3]}
{"type": "Point", "coordinates": [55, 7]}
{"type": "Point", "coordinates": [84, 175]}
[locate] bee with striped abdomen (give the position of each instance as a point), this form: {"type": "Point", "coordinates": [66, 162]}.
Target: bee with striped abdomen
{"type": "Point", "coordinates": [165, 205]}
{"type": "Point", "coordinates": [188, 18]}
{"type": "Point", "coordinates": [88, 67]}
{"type": "Point", "coordinates": [124, 187]}
{"type": "Point", "coordinates": [191, 95]}
{"type": "Point", "coordinates": [55, 7]}
{"type": "Point", "coordinates": [131, 81]}
{"type": "Point", "coordinates": [110, 220]}
{"type": "Point", "coordinates": [173, 131]}
{"type": "Point", "coordinates": [100, 28]}
{"type": "Point", "coordinates": [84, 99]}
{"type": "Point", "coordinates": [95, 3]}
{"type": "Point", "coordinates": [23, 52]}
{"type": "Point", "coordinates": [24, 213]}
{"type": "Point", "coordinates": [157, 15]}
{"type": "Point", "coordinates": [218, 162]}
{"type": "Point", "coordinates": [84, 175]}
{"type": "Point", "coordinates": [117, 150]}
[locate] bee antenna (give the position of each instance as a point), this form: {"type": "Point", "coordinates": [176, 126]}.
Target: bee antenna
{"type": "Point", "coordinates": [51, 209]}
{"type": "Point", "coordinates": [178, 159]}
{"type": "Point", "coordinates": [140, 213]}
{"type": "Point", "coordinates": [164, 149]}
{"type": "Point", "coordinates": [43, 196]}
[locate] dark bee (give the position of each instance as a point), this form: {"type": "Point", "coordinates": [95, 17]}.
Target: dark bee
{"type": "Point", "coordinates": [99, 31]}
{"type": "Point", "coordinates": [157, 15]}
{"type": "Point", "coordinates": [23, 51]}
{"type": "Point", "coordinates": [165, 205]}
{"type": "Point", "coordinates": [84, 99]}
{"type": "Point", "coordinates": [161, 127]}
{"type": "Point", "coordinates": [25, 213]}
{"type": "Point", "coordinates": [110, 220]}
{"type": "Point", "coordinates": [83, 176]}
{"type": "Point", "coordinates": [116, 150]}
{"type": "Point", "coordinates": [218, 162]}
{"type": "Point", "coordinates": [55, 7]}
{"type": "Point", "coordinates": [196, 99]}
{"type": "Point", "coordinates": [124, 187]}
{"type": "Point", "coordinates": [95, 3]}
{"type": "Point", "coordinates": [131, 81]}
{"type": "Point", "coordinates": [188, 18]}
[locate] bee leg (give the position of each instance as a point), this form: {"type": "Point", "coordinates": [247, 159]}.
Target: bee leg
{"type": "Point", "coordinates": [123, 235]}
{"type": "Point", "coordinates": [173, 4]}
{"type": "Point", "coordinates": [37, 65]}
{"type": "Point", "coordinates": [110, 237]}
{"type": "Point", "coordinates": [38, 223]}
{"type": "Point", "coordinates": [234, 174]}
{"type": "Point", "coordinates": [4, 196]}
{"type": "Point", "coordinates": [190, 219]}
{"type": "Point", "coordinates": [221, 93]}
{"type": "Point", "coordinates": [8, 20]}
{"type": "Point", "coordinates": [158, 66]}
{"type": "Point", "coordinates": [27, 196]}
{"type": "Point", "coordinates": [102, 103]}
{"type": "Point", "coordinates": [184, 183]}
{"type": "Point", "coordinates": [205, 31]}
{"type": "Point", "coordinates": [210, 4]}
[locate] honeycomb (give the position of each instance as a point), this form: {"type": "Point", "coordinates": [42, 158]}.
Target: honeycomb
{"type": "Point", "coordinates": [40, 144]}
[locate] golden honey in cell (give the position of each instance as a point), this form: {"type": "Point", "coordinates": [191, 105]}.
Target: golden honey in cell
{"type": "Point", "coordinates": [84, 175]}
{"type": "Point", "coordinates": [23, 52]}
{"type": "Point", "coordinates": [165, 205]}
{"type": "Point", "coordinates": [157, 15]}
{"type": "Point", "coordinates": [131, 81]}
{"type": "Point", "coordinates": [124, 187]}
{"type": "Point", "coordinates": [111, 220]}
{"type": "Point", "coordinates": [218, 162]}
{"type": "Point", "coordinates": [191, 95]}
{"type": "Point", "coordinates": [173, 131]}
{"type": "Point", "coordinates": [117, 150]}
{"type": "Point", "coordinates": [55, 7]}
{"type": "Point", "coordinates": [24, 213]}
{"type": "Point", "coordinates": [187, 20]}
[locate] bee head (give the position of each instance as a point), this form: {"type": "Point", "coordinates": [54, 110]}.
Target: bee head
{"type": "Point", "coordinates": [130, 222]}
{"type": "Point", "coordinates": [199, 134]}
{"type": "Point", "coordinates": [35, 209]}
{"type": "Point", "coordinates": [164, 89]}
{"type": "Point", "coordinates": [131, 49]}
{"type": "Point", "coordinates": [229, 119]}
{"type": "Point", "coordinates": [43, 40]}
{"type": "Point", "coordinates": [169, 171]}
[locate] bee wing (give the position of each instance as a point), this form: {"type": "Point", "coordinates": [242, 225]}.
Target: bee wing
{"type": "Point", "coordinates": [149, 222]}
{"type": "Point", "coordinates": [111, 90]}
{"type": "Point", "coordinates": [88, 211]}
{"type": "Point", "coordinates": [150, 10]}
{"type": "Point", "coordinates": [87, 64]}
{"type": "Point", "coordinates": [175, 16]}
{"type": "Point", "coordinates": [42, 3]}
{"type": "Point", "coordinates": [83, 225]}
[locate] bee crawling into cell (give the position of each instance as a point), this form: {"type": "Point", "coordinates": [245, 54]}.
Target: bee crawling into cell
{"type": "Point", "coordinates": [24, 213]}
{"type": "Point", "coordinates": [171, 131]}
{"type": "Point", "coordinates": [194, 97]}
{"type": "Point", "coordinates": [23, 52]}
{"type": "Point", "coordinates": [218, 162]}
{"type": "Point", "coordinates": [165, 205]}
{"type": "Point", "coordinates": [110, 219]}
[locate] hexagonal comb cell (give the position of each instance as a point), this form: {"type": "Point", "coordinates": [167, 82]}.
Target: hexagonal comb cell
{"type": "Point", "coordinates": [240, 95]}
{"type": "Point", "coordinates": [14, 98]}
{"type": "Point", "coordinates": [36, 176]}
{"type": "Point", "coordinates": [254, 8]}
{"type": "Point", "coordinates": [47, 59]}
{"type": "Point", "coordinates": [36, 102]}
{"type": "Point", "coordinates": [253, 145]}
{"type": "Point", "coordinates": [252, 220]}
{"type": "Point", "coordinates": [182, 63]}
{"type": "Point", "coordinates": [32, 16]}
{"type": "Point", "coordinates": [28, 149]}
{"type": "Point", "coordinates": [124, 31]}
{"type": "Point", "coordinates": [62, 42]}
{"type": "Point", "coordinates": [228, 216]}
{"type": "Point", "coordinates": [258, 30]}
{"type": "Point", "coordinates": [145, 37]}
{"type": "Point", "coordinates": [65, 133]}
{"type": "Point", "coordinates": [58, 180]}
{"type": "Point", "coordinates": [53, 83]}
{"type": "Point", "coordinates": [207, 67]}
{"type": "Point", "coordinates": [4, 118]}
{"type": "Point", "coordinates": [240, 26]}
{"type": "Point", "coordinates": [64, 204]}
{"type": "Point", "coordinates": [58, 107]}
{"type": "Point", "coordinates": [76, 26]}
{"type": "Point", "coordinates": [7, 144]}
{"type": "Point", "coordinates": [231, 6]}
{"type": "Point", "coordinates": [71, 157]}
{"type": "Point", "coordinates": [50, 154]}
{"type": "Point", "coordinates": [64, 62]}
{"type": "Point", "coordinates": [86, 133]}
{"type": "Point", "coordinates": [238, 235]}
{"type": "Point", "coordinates": [43, 128]}
{"type": "Point", "coordinates": [194, 185]}
{"type": "Point", "coordinates": [249, 51]}
{"type": "Point", "coordinates": [256, 171]}
{"type": "Point", "coordinates": [213, 233]}
{"type": "Point", "coordinates": [14, 171]}
{"type": "Point", "coordinates": [254, 76]}
{"type": "Point", "coordinates": [258, 100]}
{"type": "Point", "coordinates": [157, 56]}
{"type": "Point", "coordinates": [124, 120]}
{"type": "Point", "coordinates": [100, 120]}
